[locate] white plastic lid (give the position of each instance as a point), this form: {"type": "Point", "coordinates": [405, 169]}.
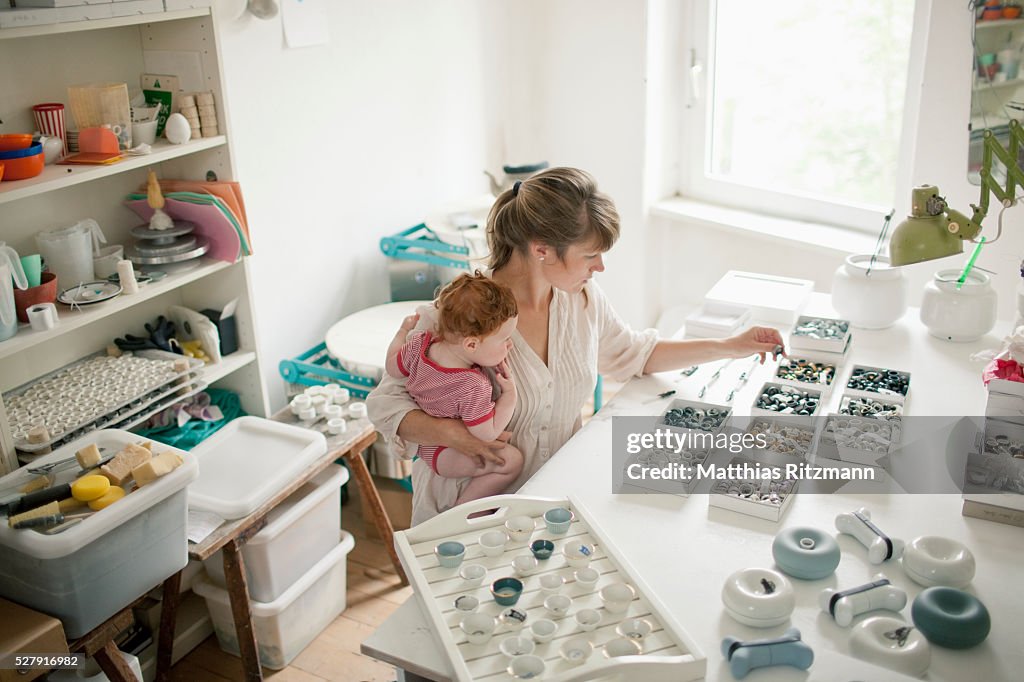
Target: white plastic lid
{"type": "Point", "coordinates": [247, 462]}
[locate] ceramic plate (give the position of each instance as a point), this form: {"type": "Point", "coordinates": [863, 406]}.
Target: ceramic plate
{"type": "Point", "coordinates": [89, 292]}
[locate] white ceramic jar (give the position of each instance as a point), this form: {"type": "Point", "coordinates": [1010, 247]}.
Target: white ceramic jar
{"type": "Point", "coordinates": [959, 315]}
{"type": "Point", "coordinates": [870, 297]}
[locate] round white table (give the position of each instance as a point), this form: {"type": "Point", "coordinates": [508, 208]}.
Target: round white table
{"type": "Point", "coordinates": [360, 340]}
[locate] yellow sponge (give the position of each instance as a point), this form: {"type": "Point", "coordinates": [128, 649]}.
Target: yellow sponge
{"type": "Point", "coordinates": [115, 493]}
{"type": "Point", "coordinates": [89, 488]}
{"type": "Point", "coordinates": [160, 465]}
{"type": "Point", "coordinates": [48, 509]}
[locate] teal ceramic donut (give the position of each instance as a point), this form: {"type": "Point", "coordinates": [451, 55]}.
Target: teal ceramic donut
{"type": "Point", "coordinates": [806, 553]}
{"type": "Point", "coordinates": [950, 617]}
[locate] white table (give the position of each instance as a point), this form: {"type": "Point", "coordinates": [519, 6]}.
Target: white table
{"type": "Point", "coordinates": [684, 550]}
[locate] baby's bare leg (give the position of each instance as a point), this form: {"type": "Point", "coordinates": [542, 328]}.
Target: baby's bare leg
{"type": "Point", "coordinates": [489, 479]}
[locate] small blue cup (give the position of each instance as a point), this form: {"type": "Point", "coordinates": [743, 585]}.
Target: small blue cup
{"type": "Point", "coordinates": [542, 549]}
{"type": "Point", "coordinates": [558, 520]}
{"type": "Point", "coordinates": [507, 591]}
{"type": "Point", "coordinates": [450, 554]}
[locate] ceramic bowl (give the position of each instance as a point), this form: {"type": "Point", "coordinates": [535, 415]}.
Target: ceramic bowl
{"type": "Point", "coordinates": [805, 553]}
{"type": "Point", "coordinates": [588, 619]}
{"type": "Point", "coordinates": [519, 528]}
{"type": "Point", "coordinates": [478, 627]}
{"type": "Point", "coordinates": [558, 520]}
{"type": "Point", "coordinates": [524, 564]}
{"type": "Point", "coordinates": [931, 560]}
{"type": "Point", "coordinates": [578, 554]}
{"type": "Point", "coordinates": [542, 549]}
{"type": "Point", "coordinates": [467, 604]}
{"type": "Point", "coordinates": [506, 591]}
{"type": "Point", "coordinates": [558, 605]}
{"type": "Point", "coordinates": [891, 643]}
{"type": "Point", "coordinates": [617, 597]}
{"type": "Point", "coordinates": [551, 583]}
{"type": "Point", "coordinates": [634, 628]}
{"type": "Point", "coordinates": [576, 650]}
{"type": "Point", "coordinates": [450, 554]}
{"type": "Point", "coordinates": [586, 578]}
{"type": "Point", "coordinates": [516, 646]}
{"type": "Point", "coordinates": [473, 574]}
{"type": "Point", "coordinates": [620, 646]}
{"type": "Point", "coordinates": [951, 618]}
{"type": "Point", "coordinates": [513, 618]}
{"type": "Point", "coordinates": [758, 597]}
{"type": "Point", "coordinates": [492, 543]}
{"type": "Point", "coordinates": [543, 630]}
{"type": "Point", "coordinates": [526, 667]}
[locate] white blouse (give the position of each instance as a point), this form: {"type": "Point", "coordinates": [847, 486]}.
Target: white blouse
{"type": "Point", "coordinates": [585, 336]}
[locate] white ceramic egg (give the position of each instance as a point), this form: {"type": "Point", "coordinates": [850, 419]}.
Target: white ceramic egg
{"type": "Point", "coordinates": [53, 149]}
{"type": "Point", "coordinates": [177, 129]}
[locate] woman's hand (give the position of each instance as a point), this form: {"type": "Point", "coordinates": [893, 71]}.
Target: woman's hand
{"type": "Point", "coordinates": [759, 340]}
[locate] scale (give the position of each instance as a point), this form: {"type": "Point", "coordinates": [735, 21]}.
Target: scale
{"type": "Point", "coordinates": [160, 247]}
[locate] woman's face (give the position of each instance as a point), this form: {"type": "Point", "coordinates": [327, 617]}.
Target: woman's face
{"type": "Point", "coordinates": [573, 271]}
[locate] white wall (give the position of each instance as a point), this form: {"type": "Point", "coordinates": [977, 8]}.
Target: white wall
{"type": "Point", "coordinates": [339, 145]}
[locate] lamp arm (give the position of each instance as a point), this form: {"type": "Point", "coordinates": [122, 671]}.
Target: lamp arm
{"type": "Point", "coordinates": [1008, 157]}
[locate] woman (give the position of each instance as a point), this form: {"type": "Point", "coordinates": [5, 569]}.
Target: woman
{"type": "Point", "coordinates": [547, 236]}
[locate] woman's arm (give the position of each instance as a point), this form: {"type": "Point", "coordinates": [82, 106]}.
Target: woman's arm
{"type": "Point", "coordinates": [419, 427]}
{"type": "Point", "coordinates": [669, 355]}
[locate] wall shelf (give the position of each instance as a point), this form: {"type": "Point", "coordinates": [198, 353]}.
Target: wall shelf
{"type": "Point", "coordinates": [989, 87]}
{"type": "Point", "coordinates": [998, 23]}
{"type": "Point", "coordinates": [94, 24]}
{"type": "Point", "coordinates": [228, 365]}
{"type": "Point", "coordinates": [57, 177]}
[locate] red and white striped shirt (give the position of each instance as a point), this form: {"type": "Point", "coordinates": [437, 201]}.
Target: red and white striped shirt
{"type": "Point", "coordinates": [446, 392]}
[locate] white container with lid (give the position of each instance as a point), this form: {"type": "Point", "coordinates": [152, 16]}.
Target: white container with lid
{"type": "Point", "coordinates": [869, 295]}
{"type": "Point", "coordinates": [90, 571]}
{"type": "Point", "coordinates": [959, 313]}
{"type": "Point", "coordinates": [287, 625]}
{"type": "Point", "coordinates": [248, 461]}
{"type": "Point", "coordinates": [299, 532]}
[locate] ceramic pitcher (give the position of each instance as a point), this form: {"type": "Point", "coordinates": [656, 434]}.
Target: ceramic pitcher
{"type": "Point", "coordinates": [11, 273]}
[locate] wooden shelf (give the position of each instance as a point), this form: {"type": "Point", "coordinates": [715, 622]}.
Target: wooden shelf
{"type": "Point", "coordinates": [70, 320]}
{"type": "Point", "coordinates": [58, 177]}
{"type": "Point", "coordinates": [95, 24]}
{"type": "Point", "coordinates": [998, 23]}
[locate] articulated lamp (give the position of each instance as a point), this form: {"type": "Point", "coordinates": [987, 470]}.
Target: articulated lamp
{"type": "Point", "coordinates": [933, 230]}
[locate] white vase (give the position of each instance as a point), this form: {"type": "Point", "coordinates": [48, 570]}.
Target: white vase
{"type": "Point", "coordinates": [959, 315]}
{"type": "Point", "coordinates": [870, 297]}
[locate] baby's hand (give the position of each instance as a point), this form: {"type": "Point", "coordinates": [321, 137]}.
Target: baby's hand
{"type": "Point", "coordinates": [504, 379]}
{"type": "Point", "coordinates": [409, 323]}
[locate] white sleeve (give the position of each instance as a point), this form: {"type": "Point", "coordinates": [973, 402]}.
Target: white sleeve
{"type": "Point", "coordinates": [622, 351]}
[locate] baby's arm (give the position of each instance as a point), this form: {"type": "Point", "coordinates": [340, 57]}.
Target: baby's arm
{"type": "Point", "coordinates": [503, 408]}
{"type": "Point", "coordinates": [391, 364]}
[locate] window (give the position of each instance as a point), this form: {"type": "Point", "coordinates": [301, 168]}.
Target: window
{"type": "Point", "coordinates": [796, 108]}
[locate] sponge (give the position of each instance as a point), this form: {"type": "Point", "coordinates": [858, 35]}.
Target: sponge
{"type": "Point", "coordinates": [89, 488]}
{"type": "Point", "coordinates": [160, 465]}
{"type": "Point", "coordinates": [119, 469]}
{"type": "Point", "coordinates": [115, 493]}
{"type": "Point", "coordinates": [89, 456]}
{"type": "Point", "coordinates": [48, 509]}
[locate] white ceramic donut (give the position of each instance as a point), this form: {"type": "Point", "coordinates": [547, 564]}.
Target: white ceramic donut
{"type": "Point", "coordinates": [758, 597]}
{"type": "Point", "coordinates": [931, 560]}
{"type": "Point", "coordinates": [891, 643]}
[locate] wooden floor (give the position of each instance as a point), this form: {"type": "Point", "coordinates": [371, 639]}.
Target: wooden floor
{"type": "Point", "coordinates": [373, 594]}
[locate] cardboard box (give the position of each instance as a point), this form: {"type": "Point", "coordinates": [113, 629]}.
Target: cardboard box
{"type": "Point", "coordinates": [24, 631]}
{"type": "Point", "coordinates": [397, 503]}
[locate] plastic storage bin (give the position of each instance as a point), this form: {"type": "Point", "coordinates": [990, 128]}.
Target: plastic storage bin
{"type": "Point", "coordinates": [285, 626]}
{"type": "Point", "coordinates": [299, 532]}
{"type": "Point", "coordinates": [89, 572]}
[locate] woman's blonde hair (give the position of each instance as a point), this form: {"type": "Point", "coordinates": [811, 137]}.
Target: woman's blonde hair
{"type": "Point", "coordinates": [473, 305]}
{"type": "Point", "coordinates": [557, 207]}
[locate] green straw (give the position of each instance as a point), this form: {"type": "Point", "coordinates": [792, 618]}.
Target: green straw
{"type": "Point", "coordinates": [970, 263]}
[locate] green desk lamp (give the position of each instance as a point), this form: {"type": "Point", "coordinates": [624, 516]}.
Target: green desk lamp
{"type": "Point", "coordinates": [933, 230]}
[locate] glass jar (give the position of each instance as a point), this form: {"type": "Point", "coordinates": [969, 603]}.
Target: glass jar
{"type": "Point", "coordinates": [959, 315]}
{"type": "Point", "coordinates": [869, 297]}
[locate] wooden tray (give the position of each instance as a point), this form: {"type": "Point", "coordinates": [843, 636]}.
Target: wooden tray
{"type": "Point", "coordinates": [669, 653]}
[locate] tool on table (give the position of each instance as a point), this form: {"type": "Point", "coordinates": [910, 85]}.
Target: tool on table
{"type": "Point", "coordinates": [741, 382]}
{"type": "Point", "coordinates": [713, 378]}
{"type": "Point", "coordinates": [61, 464]}
{"type": "Point", "coordinates": [38, 498]}
{"type": "Point", "coordinates": [48, 520]}
{"type": "Point", "coordinates": [661, 396]}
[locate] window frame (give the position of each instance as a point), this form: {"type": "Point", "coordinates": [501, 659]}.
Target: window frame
{"type": "Point", "coordinates": [696, 183]}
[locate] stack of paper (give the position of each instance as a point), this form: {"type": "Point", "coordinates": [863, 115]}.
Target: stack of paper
{"type": "Point", "coordinates": [216, 208]}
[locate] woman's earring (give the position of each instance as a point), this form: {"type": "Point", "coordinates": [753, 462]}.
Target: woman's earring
{"type": "Point", "coordinates": [541, 259]}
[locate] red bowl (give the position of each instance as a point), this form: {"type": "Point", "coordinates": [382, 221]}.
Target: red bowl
{"type": "Point", "coordinates": [11, 142]}
{"type": "Point", "coordinates": [46, 292]}
{"type": "Point", "coordinates": [22, 164]}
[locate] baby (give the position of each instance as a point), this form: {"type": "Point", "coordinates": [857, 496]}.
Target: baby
{"type": "Point", "coordinates": [475, 322]}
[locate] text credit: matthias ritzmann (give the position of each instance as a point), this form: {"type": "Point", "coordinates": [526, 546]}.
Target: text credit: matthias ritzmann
{"type": "Point", "coordinates": [798, 471]}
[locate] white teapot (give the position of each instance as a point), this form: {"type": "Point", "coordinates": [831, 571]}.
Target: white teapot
{"type": "Point", "coordinates": [513, 173]}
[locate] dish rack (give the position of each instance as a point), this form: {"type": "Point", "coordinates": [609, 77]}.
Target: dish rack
{"type": "Point", "coordinates": [668, 652]}
{"type": "Point", "coordinates": [94, 393]}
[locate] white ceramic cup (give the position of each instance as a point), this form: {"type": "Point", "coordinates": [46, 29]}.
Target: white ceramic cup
{"type": "Point", "coordinates": [144, 133]}
{"type": "Point", "coordinates": [357, 410]}
{"type": "Point", "coordinates": [42, 316]}
{"type": "Point", "coordinates": [104, 261]}
{"type": "Point", "coordinates": [617, 596]}
{"type": "Point", "coordinates": [300, 402]}
{"type": "Point", "coordinates": [332, 411]}
{"type": "Point", "coordinates": [478, 627]}
{"type": "Point", "coordinates": [492, 543]}
{"type": "Point", "coordinates": [336, 426]}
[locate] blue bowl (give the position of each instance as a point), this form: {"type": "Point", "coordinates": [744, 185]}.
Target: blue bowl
{"type": "Point", "coordinates": [449, 554]}
{"type": "Point", "coordinates": [28, 151]}
{"type": "Point", "coordinates": [558, 520]}
{"type": "Point", "coordinates": [542, 549]}
{"type": "Point", "coordinates": [507, 591]}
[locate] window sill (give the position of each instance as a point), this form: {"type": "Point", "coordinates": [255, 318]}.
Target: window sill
{"type": "Point", "coordinates": [813, 236]}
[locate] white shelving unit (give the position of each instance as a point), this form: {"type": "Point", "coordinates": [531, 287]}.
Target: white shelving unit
{"type": "Point", "coordinates": [51, 58]}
